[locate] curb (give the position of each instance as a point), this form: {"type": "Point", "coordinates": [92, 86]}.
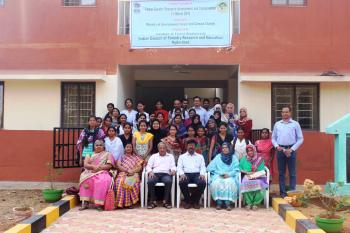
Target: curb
{"type": "Point", "coordinates": [294, 218]}
{"type": "Point", "coordinates": [45, 217]}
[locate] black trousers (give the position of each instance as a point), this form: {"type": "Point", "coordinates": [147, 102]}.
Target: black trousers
{"type": "Point", "coordinates": [163, 178]}
{"type": "Point", "coordinates": [192, 178]}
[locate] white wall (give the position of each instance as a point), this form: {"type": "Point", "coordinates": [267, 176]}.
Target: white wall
{"type": "Point", "coordinates": [334, 102]}
{"type": "Point", "coordinates": [257, 98]}
{"type": "Point", "coordinates": [32, 104]}
{"type": "Point", "coordinates": [106, 92]}
{"type": "Point", "coordinates": [126, 86]}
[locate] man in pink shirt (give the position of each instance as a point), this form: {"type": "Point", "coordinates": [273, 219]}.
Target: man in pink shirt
{"type": "Point", "coordinates": [160, 168]}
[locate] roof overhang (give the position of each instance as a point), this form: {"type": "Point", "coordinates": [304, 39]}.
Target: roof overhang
{"type": "Point", "coordinates": [292, 77]}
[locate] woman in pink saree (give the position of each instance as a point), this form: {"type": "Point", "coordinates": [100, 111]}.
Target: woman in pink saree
{"type": "Point", "coordinates": [95, 180]}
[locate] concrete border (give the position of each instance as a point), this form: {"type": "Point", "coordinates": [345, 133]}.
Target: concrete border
{"type": "Point", "coordinates": [294, 218]}
{"type": "Point", "coordinates": [45, 217]}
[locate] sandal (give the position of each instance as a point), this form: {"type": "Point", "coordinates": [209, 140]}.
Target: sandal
{"type": "Point", "coordinates": [167, 206]}
{"type": "Point", "coordinates": [228, 208]}
{"type": "Point", "coordinates": [84, 207]}
{"type": "Point", "coordinates": [152, 206]}
{"type": "Point", "coordinates": [218, 207]}
{"type": "Point", "coordinates": [99, 208]}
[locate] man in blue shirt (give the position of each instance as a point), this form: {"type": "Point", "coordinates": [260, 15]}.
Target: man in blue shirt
{"type": "Point", "coordinates": [287, 137]}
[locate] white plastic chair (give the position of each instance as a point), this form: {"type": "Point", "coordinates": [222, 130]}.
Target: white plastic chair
{"type": "Point", "coordinates": [159, 184]}
{"type": "Point", "coordinates": [267, 192]}
{"type": "Point", "coordinates": [209, 194]}
{"type": "Point", "coordinates": [191, 185]}
{"type": "Point", "coordinates": [142, 187]}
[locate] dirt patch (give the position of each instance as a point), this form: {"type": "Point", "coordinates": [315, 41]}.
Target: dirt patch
{"type": "Point", "coordinates": [311, 211]}
{"type": "Point", "coordinates": [18, 198]}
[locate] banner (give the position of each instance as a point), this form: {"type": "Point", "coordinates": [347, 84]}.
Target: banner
{"type": "Point", "coordinates": [180, 23]}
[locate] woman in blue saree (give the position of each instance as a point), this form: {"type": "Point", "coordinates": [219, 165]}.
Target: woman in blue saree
{"type": "Point", "coordinates": [224, 171]}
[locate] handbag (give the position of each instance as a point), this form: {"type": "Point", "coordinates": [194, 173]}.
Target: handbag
{"type": "Point", "coordinates": [130, 181]}
{"type": "Point", "coordinates": [256, 175]}
{"type": "Point", "coordinates": [110, 198]}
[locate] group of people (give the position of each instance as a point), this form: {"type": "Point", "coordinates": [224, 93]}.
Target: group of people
{"type": "Point", "coordinates": [186, 141]}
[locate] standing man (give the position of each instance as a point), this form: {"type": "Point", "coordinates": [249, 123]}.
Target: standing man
{"type": "Point", "coordinates": [160, 168]}
{"type": "Point", "coordinates": [191, 168]}
{"type": "Point", "coordinates": [287, 137]}
{"type": "Point", "coordinates": [206, 105]}
{"type": "Point", "coordinates": [184, 104]}
{"type": "Point", "coordinates": [178, 104]}
{"type": "Point", "coordinates": [200, 110]}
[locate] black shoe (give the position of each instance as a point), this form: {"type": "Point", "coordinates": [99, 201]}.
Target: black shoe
{"type": "Point", "coordinates": [187, 206]}
{"type": "Point", "coordinates": [196, 206]}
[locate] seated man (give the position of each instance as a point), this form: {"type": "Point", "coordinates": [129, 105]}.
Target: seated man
{"type": "Point", "coordinates": [160, 168]}
{"type": "Point", "coordinates": [191, 168]}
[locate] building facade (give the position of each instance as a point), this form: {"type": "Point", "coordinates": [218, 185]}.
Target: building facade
{"type": "Point", "coordinates": [61, 60]}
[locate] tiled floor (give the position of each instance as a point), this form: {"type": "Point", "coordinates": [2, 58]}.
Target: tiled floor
{"type": "Point", "coordinates": [173, 220]}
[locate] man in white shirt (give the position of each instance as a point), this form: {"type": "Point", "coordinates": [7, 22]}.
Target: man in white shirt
{"type": "Point", "coordinates": [178, 104]}
{"type": "Point", "coordinates": [160, 168]}
{"type": "Point", "coordinates": [129, 111]}
{"type": "Point", "coordinates": [191, 168]}
{"type": "Point", "coordinates": [200, 110]}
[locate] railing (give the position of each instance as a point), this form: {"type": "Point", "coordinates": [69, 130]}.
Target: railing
{"type": "Point", "coordinates": [65, 153]}
{"type": "Point", "coordinates": [255, 135]}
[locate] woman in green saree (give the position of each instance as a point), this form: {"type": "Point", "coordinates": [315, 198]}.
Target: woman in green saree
{"type": "Point", "coordinates": [254, 182]}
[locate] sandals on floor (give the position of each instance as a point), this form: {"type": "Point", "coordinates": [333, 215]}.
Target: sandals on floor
{"type": "Point", "coordinates": [84, 207]}
{"type": "Point", "coordinates": [152, 206]}
{"type": "Point", "coordinates": [167, 206]}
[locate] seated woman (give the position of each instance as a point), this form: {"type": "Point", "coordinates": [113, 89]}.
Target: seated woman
{"type": "Point", "coordinates": [224, 184]}
{"type": "Point", "coordinates": [253, 185]}
{"type": "Point", "coordinates": [127, 182]}
{"type": "Point", "coordinates": [95, 180]}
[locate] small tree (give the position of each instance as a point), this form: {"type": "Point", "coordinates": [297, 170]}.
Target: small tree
{"type": "Point", "coordinates": [331, 201]}
{"type": "Point", "coordinates": [52, 174]}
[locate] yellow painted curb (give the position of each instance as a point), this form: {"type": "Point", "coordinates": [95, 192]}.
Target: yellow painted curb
{"type": "Point", "coordinates": [315, 231]}
{"type": "Point", "coordinates": [52, 213]}
{"type": "Point", "coordinates": [20, 228]}
{"type": "Point", "coordinates": [276, 202]}
{"type": "Point", "coordinates": [292, 216]}
{"type": "Point", "coordinates": [72, 200]}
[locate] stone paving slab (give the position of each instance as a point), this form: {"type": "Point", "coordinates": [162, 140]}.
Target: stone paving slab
{"type": "Point", "coordinates": [173, 220]}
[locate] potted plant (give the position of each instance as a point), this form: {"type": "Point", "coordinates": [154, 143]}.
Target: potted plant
{"type": "Point", "coordinates": [52, 194]}
{"type": "Point", "coordinates": [329, 221]}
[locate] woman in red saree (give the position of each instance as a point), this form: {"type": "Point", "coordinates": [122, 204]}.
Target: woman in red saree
{"type": "Point", "coordinates": [127, 182]}
{"type": "Point", "coordinates": [245, 123]}
{"type": "Point", "coordinates": [264, 147]}
{"type": "Point", "coordinates": [95, 180]}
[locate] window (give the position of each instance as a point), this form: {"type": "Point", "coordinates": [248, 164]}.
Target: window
{"type": "Point", "coordinates": [290, 2]}
{"type": "Point", "coordinates": [77, 104]}
{"type": "Point", "coordinates": [304, 100]}
{"type": "Point", "coordinates": [1, 105]}
{"type": "Point", "coordinates": [124, 16]}
{"type": "Point", "coordinates": [78, 2]}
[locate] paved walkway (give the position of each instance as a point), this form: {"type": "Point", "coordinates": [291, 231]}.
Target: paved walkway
{"type": "Point", "coordinates": [173, 220]}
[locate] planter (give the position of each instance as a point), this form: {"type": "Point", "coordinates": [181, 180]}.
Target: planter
{"type": "Point", "coordinates": [330, 225]}
{"type": "Point", "coordinates": [52, 195]}
{"type": "Point", "coordinates": [23, 211]}
{"type": "Point", "coordinates": [296, 194]}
